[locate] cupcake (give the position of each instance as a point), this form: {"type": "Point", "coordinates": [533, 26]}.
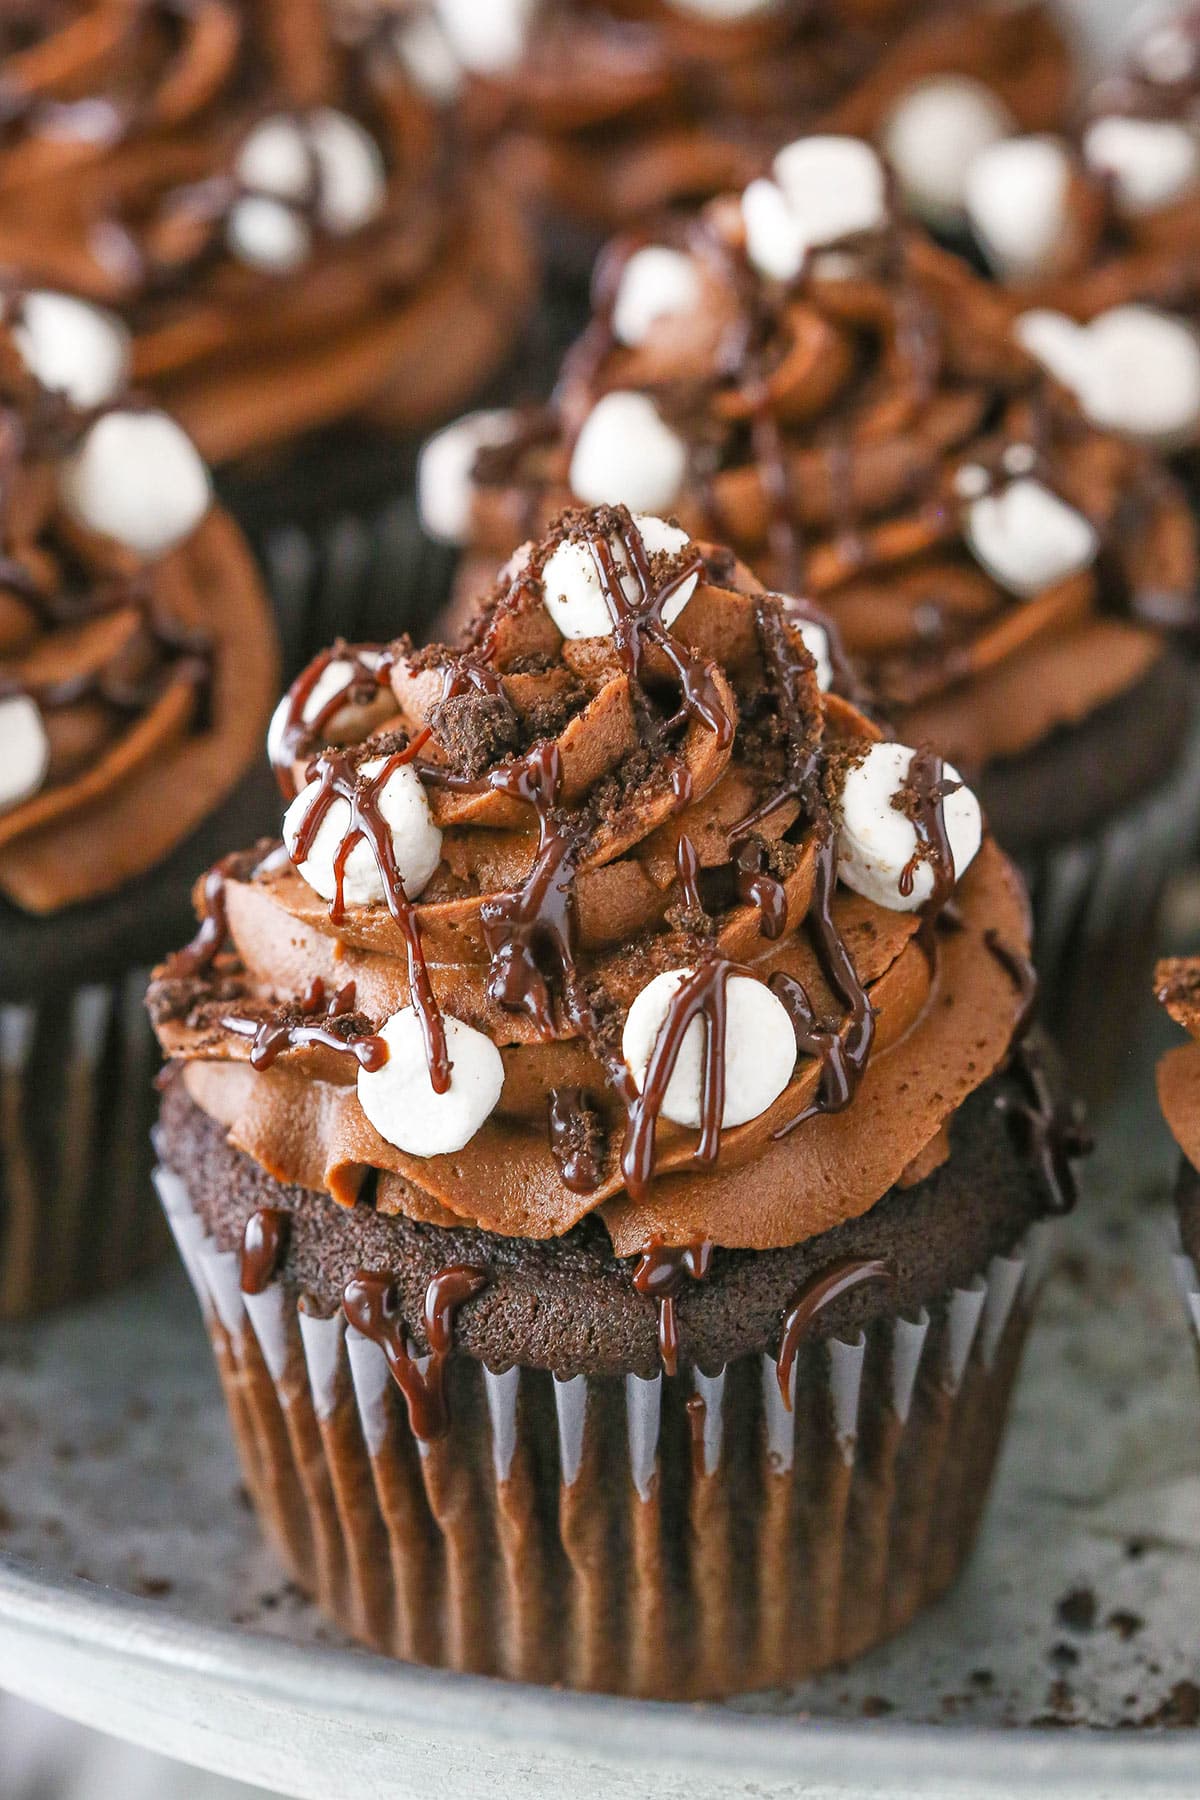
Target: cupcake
{"type": "Point", "coordinates": [308, 270]}
{"type": "Point", "coordinates": [604, 1137]}
{"type": "Point", "coordinates": [137, 664]}
{"type": "Point", "coordinates": [1177, 985]}
{"type": "Point", "coordinates": [801, 375]}
{"type": "Point", "coordinates": [607, 113]}
{"type": "Point", "coordinates": [1094, 236]}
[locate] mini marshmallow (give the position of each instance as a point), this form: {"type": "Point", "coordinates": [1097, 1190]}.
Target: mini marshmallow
{"type": "Point", "coordinates": [877, 841]}
{"type": "Point", "coordinates": [1016, 200]}
{"type": "Point", "coordinates": [137, 477]}
{"type": "Point", "coordinates": [416, 840]}
{"type": "Point", "coordinates": [933, 135]}
{"type": "Point", "coordinates": [571, 583]}
{"type": "Point", "coordinates": [490, 39]}
{"type": "Point", "coordinates": [399, 1098]}
{"type": "Point", "coordinates": [656, 283]}
{"type": "Point", "coordinates": [825, 189]}
{"type": "Point", "coordinates": [428, 57]}
{"type": "Point", "coordinates": [276, 162]}
{"type": "Point", "coordinates": [1152, 161]}
{"type": "Point", "coordinates": [760, 1049]}
{"type": "Point", "coordinates": [266, 234]}
{"type": "Point", "coordinates": [444, 486]}
{"type": "Point", "coordinates": [1027, 538]}
{"type": "Point", "coordinates": [626, 455]}
{"type": "Point", "coordinates": [24, 750]}
{"type": "Point", "coordinates": [350, 723]}
{"type": "Point", "coordinates": [72, 348]}
{"type": "Point", "coordinates": [816, 642]}
{"type": "Point", "coordinates": [1133, 369]}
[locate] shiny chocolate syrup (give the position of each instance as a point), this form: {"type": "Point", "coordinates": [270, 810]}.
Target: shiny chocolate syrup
{"type": "Point", "coordinates": [812, 1300]}
{"type": "Point", "coordinates": [371, 1306]}
{"type": "Point", "coordinates": [264, 1245]}
{"type": "Point", "coordinates": [661, 1274]}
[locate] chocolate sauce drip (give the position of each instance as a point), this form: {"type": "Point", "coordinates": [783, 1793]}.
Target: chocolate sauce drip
{"type": "Point", "coordinates": [687, 871]}
{"type": "Point", "coordinates": [264, 1244]}
{"type": "Point", "coordinates": [311, 1020]}
{"type": "Point", "coordinates": [338, 778]}
{"type": "Point", "coordinates": [577, 1138]}
{"type": "Point", "coordinates": [371, 1306]}
{"type": "Point", "coordinates": [199, 955]}
{"type": "Point", "coordinates": [922, 800]}
{"type": "Point", "coordinates": [661, 1274]}
{"type": "Point", "coordinates": [301, 736]}
{"type": "Point", "coordinates": [1022, 974]}
{"type": "Point", "coordinates": [756, 886]}
{"type": "Point", "coordinates": [812, 1300]}
{"type": "Point", "coordinates": [696, 1409]}
{"type": "Point", "coordinates": [1051, 1130]}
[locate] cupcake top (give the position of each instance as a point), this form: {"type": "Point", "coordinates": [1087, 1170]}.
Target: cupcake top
{"type": "Point", "coordinates": [137, 653]}
{"type": "Point", "coordinates": [1093, 234]}
{"type": "Point", "coordinates": [801, 375]}
{"type": "Point", "coordinates": [278, 218]}
{"type": "Point", "coordinates": [1177, 987]}
{"type": "Point", "coordinates": [624, 910]}
{"type": "Point", "coordinates": [608, 111]}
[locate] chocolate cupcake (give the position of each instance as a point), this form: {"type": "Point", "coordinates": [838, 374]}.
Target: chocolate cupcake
{"type": "Point", "coordinates": [603, 1139]}
{"type": "Point", "coordinates": [1094, 236]}
{"type": "Point", "coordinates": [607, 113]}
{"type": "Point", "coordinates": [1177, 985]}
{"type": "Point", "coordinates": [308, 270]}
{"type": "Point", "coordinates": [137, 663]}
{"type": "Point", "coordinates": [824, 388]}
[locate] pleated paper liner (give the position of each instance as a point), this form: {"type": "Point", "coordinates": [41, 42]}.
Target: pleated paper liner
{"type": "Point", "coordinates": [671, 1538]}
{"type": "Point", "coordinates": [77, 1206]}
{"type": "Point", "coordinates": [1095, 904]}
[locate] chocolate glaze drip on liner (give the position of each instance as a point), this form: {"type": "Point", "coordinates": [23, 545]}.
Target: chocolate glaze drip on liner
{"type": "Point", "coordinates": [661, 1274]}
{"type": "Point", "coordinates": [316, 1024]}
{"type": "Point", "coordinates": [301, 736]}
{"type": "Point", "coordinates": [812, 1299]}
{"type": "Point", "coordinates": [370, 1305]}
{"type": "Point", "coordinates": [264, 1246]}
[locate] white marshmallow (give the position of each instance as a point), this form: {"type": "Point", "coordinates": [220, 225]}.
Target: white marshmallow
{"type": "Point", "coordinates": [1167, 53]}
{"type": "Point", "coordinates": [416, 840]}
{"type": "Point", "coordinates": [1016, 200]}
{"type": "Point", "coordinates": [877, 841]}
{"type": "Point", "coordinates": [350, 723]}
{"type": "Point", "coordinates": [399, 1098]}
{"type": "Point", "coordinates": [137, 477]}
{"type": "Point", "coordinates": [444, 470]}
{"type": "Point", "coordinates": [425, 50]}
{"type": "Point", "coordinates": [267, 234]}
{"type": "Point", "coordinates": [488, 39]}
{"type": "Point", "coordinates": [276, 162]}
{"type": "Point", "coordinates": [816, 642]}
{"type": "Point", "coordinates": [24, 750]}
{"type": "Point", "coordinates": [353, 177]}
{"type": "Point", "coordinates": [933, 135]}
{"type": "Point", "coordinates": [825, 189]}
{"type": "Point", "coordinates": [1133, 369]}
{"type": "Point", "coordinates": [760, 1049]}
{"type": "Point", "coordinates": [1152, 161]}
{"type": "Point", "coordinates": [1027, 538]}
{"type": "Point", "coordinates": [72, 348]}
{"type": "Point", "coordinates": [656, 283]}
{"type": "Point", "coordinates": [571, 584]}
{"type": "Point", "coordinates": [626, 455]}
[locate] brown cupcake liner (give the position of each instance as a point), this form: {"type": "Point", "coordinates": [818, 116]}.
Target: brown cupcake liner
{"type": "Point", "coordinates": [1095, 905]}
{"type": "Point", "coordinates": [672, 1538]}
{"type": "Point", "coordinates": [77, 1206]}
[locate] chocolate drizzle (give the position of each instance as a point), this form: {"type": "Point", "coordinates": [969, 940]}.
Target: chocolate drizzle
{"type": "Point", "coordinates": [1022, 974]}
{"type": "Point", "coordinates": [264, 1245]}
{"type": "Point", "coordinates": [756, 886]}
{"type": "Point", "coordinates": [300, 735]}
{"type": "Point", "coordinates": [922, 799]}
{"type": "Point", "coordinates": [210, 940]}
{"type": "Point", "coordinates": [577, 1138]}
{"type": "Point", "coordinates": [662, 1274]}
{"type": "Point", "coordinates": [371, 1306]}
{"type": "Point", "coordinates": [812, 1300]}
{"type": "Point", "coordinates": [1051, 1130]}
{"type": "Point", "coordinates": [314, 1019]}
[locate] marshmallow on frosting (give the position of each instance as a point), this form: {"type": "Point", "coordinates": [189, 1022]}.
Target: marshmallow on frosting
{"type": "Point", "coordinates": [824, 190]}
{"type": "Point", "coordinates": [400, 1100]}
{"type": "Point", "coordinates": [571, 586]}
{"type": "Point", "coordinates": [656, 283]}
{"type": "Point", "coordinates": [1152, 161]}
{"type": "Point", "coordinates": [626, 455]}
{"type": "Point", "coordinates": [416, 840]}
{"type": "Point", "coordinates": [877, 841]}
{"type": "Point", "coordinates": [72, 348]}
{"type": "Point", "coordinates": [444, 486]}
{"type": "Point", "coordinates": [487, 39]}
{"type": "Point", "coordinates": [1133, 369]}
{"type": "Point", "coordinates": [138, 478]}
{"type": "Point", "coordinates": [760, 1049]}
{"type": "Point", "coordinates": [24, 750]}
{"type": "Point", "coordinates": [350, 723]}
{"type": "Point", "coordinates": [1016, 199]}
{"type": "Point", "coordinates": [279, 161]}
{"type": "Point", "coordinates": [933, 135]}
{"type": "Point", "coordinates": [1027, 538]}
{"type": "Point", "coordinates": [816, 642]}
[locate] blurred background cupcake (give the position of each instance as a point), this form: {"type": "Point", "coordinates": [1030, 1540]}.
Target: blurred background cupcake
{"type": "Point", "coordinates": [308, 268]}
{"type": "Point", "coordinates": [803, 375]}
{"type": "Point", "coordinates": [138, 663]}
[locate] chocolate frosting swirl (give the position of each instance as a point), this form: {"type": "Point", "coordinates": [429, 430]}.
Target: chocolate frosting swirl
{"type": "Point", "coordinates": [399, 307]}
{"type": "Point", "coordinates": [595, 797]}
